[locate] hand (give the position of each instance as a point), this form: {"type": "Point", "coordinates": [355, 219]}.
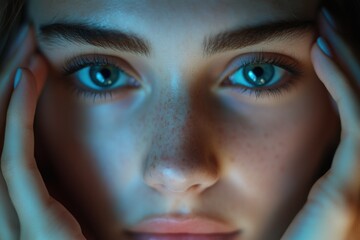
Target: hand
{"type": "Point", "coordinates": [332, 210]}
{"type": "Point", "coordinates": [27, 211]}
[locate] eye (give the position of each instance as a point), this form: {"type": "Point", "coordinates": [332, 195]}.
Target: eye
{"type": "Point", "coordinates": [98, 76]}
{"type": "Point", "coordinates": [264, 73]}
{"type": "Point", "coordinates": [104, 77]}
{"type": "Point", "coordinates": [257, 75]}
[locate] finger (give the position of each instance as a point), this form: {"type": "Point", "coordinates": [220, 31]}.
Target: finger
{"type": "Point", "coordinates": [342, 53]}
{"type": "Point", "coordinates": [20, 56]}
{"type": "Point", "coordinates": [340, 88]}
{"type": "Point", "coordinates": [19, 146]}
{"type": "Point", "coordinates": [346, 164]}
{"type": "Point", "coordinates": [9, 223]}
{"type": "Point", "coordinates": [39, 67]}
{"type": "Point", "coordinates": [25, 184]}
{"type": "Point", "coordinates": [332, 202]}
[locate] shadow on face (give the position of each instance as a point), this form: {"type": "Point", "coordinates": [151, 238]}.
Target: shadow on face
{"type": "Point", "coordinates": [181, 108]}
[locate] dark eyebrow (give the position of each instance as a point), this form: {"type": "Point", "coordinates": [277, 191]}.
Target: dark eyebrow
{"type": "Point", "coordinates": [240, 38]}
{"type": "Point", "coordinates": [93, 35]}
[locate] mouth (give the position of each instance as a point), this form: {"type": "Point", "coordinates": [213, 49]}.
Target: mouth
{"type": "Point", "coordinates": [170, 227]}
{"type": "Point", "coordinates": [149, 236]}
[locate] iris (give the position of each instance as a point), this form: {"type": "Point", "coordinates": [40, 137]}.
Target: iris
{"type": "Point", "coordinates": [259, 75]}
{"type": "Point", "coordinates": [104, 76]}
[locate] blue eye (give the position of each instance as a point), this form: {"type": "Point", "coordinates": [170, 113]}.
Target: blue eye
{"type": "Point", "coordinates": [264, 74]}
{"type": "Point", "coordinates": [97, 76]}
{"type": "Point", "coordinates": [104, 77]}
{"type": "Point", "coordinates": [257, 75]}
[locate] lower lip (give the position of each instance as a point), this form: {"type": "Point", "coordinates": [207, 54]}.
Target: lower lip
{"type": "Point", "coordinates": [181, 236]}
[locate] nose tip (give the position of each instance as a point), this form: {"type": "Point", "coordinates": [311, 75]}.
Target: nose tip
{"type": "Point", "coordinates": [176, 179]}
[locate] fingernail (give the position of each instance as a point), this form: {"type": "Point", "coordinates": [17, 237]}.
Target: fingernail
{"type": "Point", "coordinates": [17, 77]}
{"type": "Point", "coordinates": [330, 20]}
{"type": "Point", "coordinates": [324, 46]}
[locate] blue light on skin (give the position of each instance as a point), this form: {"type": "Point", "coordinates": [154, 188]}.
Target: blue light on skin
{"type": "Point", "coordinates": [266, 149]}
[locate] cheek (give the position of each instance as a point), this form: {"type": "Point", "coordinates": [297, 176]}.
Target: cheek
{"type": "Point", "coordinates": [93, 149]}
{"type": "Point", "coordinates": [81, 136]}
{"type": "Point", "coordinates": [273, 154]}
{"type": "Point", "coordinates": [279, 139]}
{"type": "Point", "coordinates": [116, 142]}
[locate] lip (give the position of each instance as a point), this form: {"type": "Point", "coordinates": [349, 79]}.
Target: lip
{"type": "Point", "coordinates": [148, 236]}
{"type": "Point", "coordinates": [174, 227]}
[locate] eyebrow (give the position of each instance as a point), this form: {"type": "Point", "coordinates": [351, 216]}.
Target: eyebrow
{"type": "Point", "coordinates": [240, 38]}
{"type": "Point", "coordinates": [87, 33]}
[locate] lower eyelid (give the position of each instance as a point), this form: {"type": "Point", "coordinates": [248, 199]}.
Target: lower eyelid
{"type": "Point", "coordinates": [102, 97]}
{"type": "Point", "coordinates": [285, 85]}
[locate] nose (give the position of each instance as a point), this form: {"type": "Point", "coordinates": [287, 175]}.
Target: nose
{"type": "Point", "coordinates": [181, 159]}
{"type": "Point", "coordinates": [171, 174]}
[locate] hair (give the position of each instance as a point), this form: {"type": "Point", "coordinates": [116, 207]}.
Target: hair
{"type": "Point", "coordinates": [11, 15]}
{"type": "Point", "coordinates": [346, 15]}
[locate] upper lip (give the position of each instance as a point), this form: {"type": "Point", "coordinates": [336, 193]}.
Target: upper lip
{"type": "Point", "coordinates": [176, 224]}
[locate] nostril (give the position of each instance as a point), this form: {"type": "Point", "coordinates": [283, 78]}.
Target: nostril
{"type": "Point", "coordinates": [193, 188]}
{"type": "Point", "coordinates": [176, 175]}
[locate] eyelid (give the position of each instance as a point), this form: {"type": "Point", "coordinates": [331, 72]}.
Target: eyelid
{"type": "Point", "coordinates": [280, 60]}
{"type": "Point", "coordinates": [76, 63]}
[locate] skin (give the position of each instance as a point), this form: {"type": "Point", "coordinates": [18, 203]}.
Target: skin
{"type": "Point", "coordinates": [247, 161]}
{"type": "Point", "coordinates": [266, 150]}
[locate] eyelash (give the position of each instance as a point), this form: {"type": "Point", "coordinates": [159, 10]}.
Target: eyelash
{"type": "Point", "coordinates": [265, 58]}
{"type": "Point", "coordinates": [80, 62]}
{"type": "Point", "coordinates": [77, 63]}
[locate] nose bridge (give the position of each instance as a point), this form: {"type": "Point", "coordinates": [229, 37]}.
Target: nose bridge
{"type": "Point", "coordinates": [180, 158]}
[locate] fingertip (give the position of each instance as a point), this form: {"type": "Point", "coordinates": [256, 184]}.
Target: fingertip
{"type": "Point", "coordinates": [325, 70]}
{"type": "Point", "coordinates": [316, 55]}
{"type": "Point", "coordinates": [321, 49]}
{"type": "Point", "coordinates": [24, 82]}
{"type": "Point", "coordinates": [39, 67]}
{"type": "Point", "coordinates": [324, 46]}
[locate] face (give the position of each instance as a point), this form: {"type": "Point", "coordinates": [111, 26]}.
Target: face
{"type": "Point", "coordinates": [151, 114]}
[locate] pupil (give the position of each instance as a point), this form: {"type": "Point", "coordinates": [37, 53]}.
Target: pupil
{"type": "Point", "coordinates": [258, 71]}
{"type": "Point", "coordinates": [259, 75]}
{"type": "Point", "coordinates": [104, 76]}
{"type": "Point", "coordinates": [105, 73]}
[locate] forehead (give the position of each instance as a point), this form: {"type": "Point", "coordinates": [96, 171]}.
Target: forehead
{"type": "Point", "coordinates": [174, 29]}
{"type": "Point", "coordinates": [114, 12]}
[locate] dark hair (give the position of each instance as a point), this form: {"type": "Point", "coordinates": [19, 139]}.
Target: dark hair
{"type": "Point", "coordinates": [10, 19]}
{"type": "Point", "coordinates": [346, 14]}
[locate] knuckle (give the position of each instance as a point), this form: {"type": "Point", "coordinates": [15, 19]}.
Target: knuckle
{"type": "Point", "coordinates": [7, 166]}
{"type": "Point", "coordinates": [10, 166]}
